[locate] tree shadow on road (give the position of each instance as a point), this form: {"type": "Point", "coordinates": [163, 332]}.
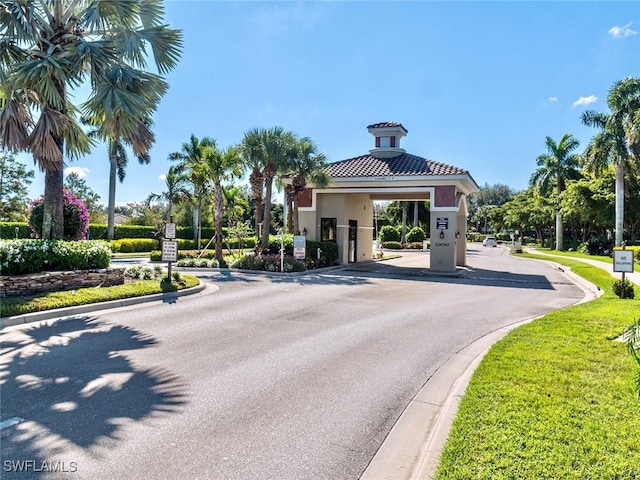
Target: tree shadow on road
{"type": "Point", "coordinates": [70, 384]}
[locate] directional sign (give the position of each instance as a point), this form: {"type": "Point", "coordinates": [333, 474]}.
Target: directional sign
{"type": "Point", "coordinates": [299, 247]}
{"type": "Point", "coordinates": [169, 230]}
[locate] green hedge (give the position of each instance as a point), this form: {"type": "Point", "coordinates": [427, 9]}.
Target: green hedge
{"type": "Point", "coordinates": [32, 256]}
{"type": "Point", "coordinates": [8, 230]}
{"type": "Point", "coordinates": [129, 245]}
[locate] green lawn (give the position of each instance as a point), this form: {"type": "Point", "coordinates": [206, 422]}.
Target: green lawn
{"type": "Point", "coordinates": [554, 399]}
{"type": "Point", "coordinates": [35, 303]}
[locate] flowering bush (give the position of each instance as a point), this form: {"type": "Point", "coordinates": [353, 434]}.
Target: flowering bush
{"type": "Point", "coordinates": [76, 217]}
{"type": "Point", "coordinates": [31, 256]}
{"type": "Point", "coordinates": [269, 263]}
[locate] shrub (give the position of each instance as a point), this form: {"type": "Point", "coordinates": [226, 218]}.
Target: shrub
{"type": "Point", "coordinates": [623, 289]}
{"type": "Point", "coordinates": [129, 245]}
{"type": "Point", "coordinates": [8, 230]}
{"type": "Point", "coordinates": [392, 245]}
{"type": "Point", "coordinates": [268, 263]}
{"type": "Point", "coordinates": [76, 217]}
{"type": "Point", "coordinates": [389, 233]}
{"type": "Point", "coordinates": [328, 254]}
{"type": "Point", "coordinates": [32, 256]}
{"type": "Point", "coordinates": [416, 234]}
{"type": "Point", "coordinates": [414, 245]}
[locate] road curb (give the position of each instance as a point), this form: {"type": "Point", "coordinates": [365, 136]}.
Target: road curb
{"type": "Point", "coordinates": [99, 306]}
{"type": "Point", "coordinates": [413, 447]}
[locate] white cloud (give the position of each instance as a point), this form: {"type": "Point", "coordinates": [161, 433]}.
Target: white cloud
{"type": "Point", "coordinates": [80, 171]}
{"type": "Point", "coordinates": [552, 99]}
{"type": "Point", "coordinates": [162, 177]}
{"type": "Point", "coordinates": [585, 100]}
{"type": "Point", "coordinates": [622, 32]}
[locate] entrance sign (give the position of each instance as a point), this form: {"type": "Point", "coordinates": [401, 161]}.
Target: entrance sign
{"type": "Point", "coordinates": [169, 251]}
{"type": "Point", "coordinates": [299, 247]}
{"type": "Point", "coordinates": [442, 223]}
{"type": "Point", "coordinates": [623, 261]}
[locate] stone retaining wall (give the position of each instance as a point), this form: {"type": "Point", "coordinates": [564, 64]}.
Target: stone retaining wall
{"type": "Point", "coordinates": [34, 283]}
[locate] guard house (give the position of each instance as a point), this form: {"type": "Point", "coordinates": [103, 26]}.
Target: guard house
{"type": "Point", "coordinates": [343, 211]}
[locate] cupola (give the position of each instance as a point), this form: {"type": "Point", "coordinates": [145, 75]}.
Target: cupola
{"type": "Point", "coordinates": [387, 139]}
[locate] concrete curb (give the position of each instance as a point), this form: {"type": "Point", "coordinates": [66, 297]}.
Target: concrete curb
{"type": "Point", "coordinates": [94, 307]}
{"type": "Point", "coordinates": [413, 447]}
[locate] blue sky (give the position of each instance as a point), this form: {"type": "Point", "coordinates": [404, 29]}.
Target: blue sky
{"type": "Point", "coordinates": [478, 85]}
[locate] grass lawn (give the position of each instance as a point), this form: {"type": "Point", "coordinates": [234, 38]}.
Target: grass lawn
{"type": "Point", "coordinates": [554, 399]}
{"type": "Point", "coordinates": [35, 303]}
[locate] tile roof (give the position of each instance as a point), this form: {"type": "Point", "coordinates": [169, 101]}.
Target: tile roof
{"type": "Point", "coordinates": [398, 166]}
{"type": "Point", "coordinates": [387, 125]}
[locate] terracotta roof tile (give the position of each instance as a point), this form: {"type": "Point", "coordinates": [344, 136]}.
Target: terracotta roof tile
{"type": "Point", "coordinates": [387, 125]}
{"type": "Point", "coordinates": [401, 165]}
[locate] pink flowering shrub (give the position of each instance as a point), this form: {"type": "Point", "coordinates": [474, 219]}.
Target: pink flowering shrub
{"type": "Point", "coordinates": [76, 217]}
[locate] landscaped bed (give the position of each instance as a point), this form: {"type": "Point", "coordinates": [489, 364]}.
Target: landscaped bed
{"type": "Point", "coordinates": [134, 287]}
{"type": "Point", "coordinates": [554, 399]}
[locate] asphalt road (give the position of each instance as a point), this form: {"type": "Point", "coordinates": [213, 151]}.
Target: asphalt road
{"type": "Point", "coordinates": [268, 378]}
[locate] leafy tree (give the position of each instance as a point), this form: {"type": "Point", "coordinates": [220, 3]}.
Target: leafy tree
{"type": "Point", "coordinates": [76, 217]}
{"type": "Point", "coordinates": [51, 47]}
{"type": "Point", "coordinates": [236, 204]}
{"type": "Point", "coordinates": [485, 199]}
{"type": "Point", "coordinates": [618, 141]}
{"type": "Point", "coordinates": [221, 165]}
{"type": "Point", "coordinates": [557, 166]}
{"type": "Point", "coordinates": [78, 186]}
{"type": "Point", "coordinates": [15, 179]}
{"type": "Point", "coordinates": [528, 210]}
{"type": "Point", "coordinates": [193, 164]}
{"type": "Point", "coordinates": [142, 213]}
{"type": "Point", "coordinates": [588, 205]}
{"type": "Point", "coordinates": [175, 193]}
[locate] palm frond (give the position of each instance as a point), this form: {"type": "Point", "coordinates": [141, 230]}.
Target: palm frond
{"type": "Point", "coordinates": [45, 139]}
{"type": "Point", "coordinates": [15, 121]}
{"type": "Point", "coordinates": [166, 44]}
{"type": "Point", "coordinates": [151, 13]}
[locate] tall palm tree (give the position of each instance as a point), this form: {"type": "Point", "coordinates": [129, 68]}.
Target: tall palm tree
{"type": "Point", "coordinates": [272, 148]}
{"type": "Point", "coordinates": [176, 192]}
{"type": "Point", "coordinates": [305, 166]}
{"type": "Point", "coordinates": [118, 160]}
{"type": "Point", "coordinates": [557, 166]}
{"type": "Point", "coordinates": [192, 163]}
{"type": "Point", "coordinates": [252, 159]}
{"type": "Point", "coordinates": [618, 141]}
{"type": "Point", "coordinates": [48, 48]}
{"type": "Point", "coordinates": [221, 165]}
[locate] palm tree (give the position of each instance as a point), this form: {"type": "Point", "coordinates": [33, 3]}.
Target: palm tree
{"type": "Point", "coordinates": [252, 159]}
{"type": "Point", "coordinates": [557, 165]}
{"type": "Point", "coordinates": [305, 165]}
{"type": "Point", "coordinates": [235, 203]}
{"type": "Point", "coordinates": [271, 149]}
{"type": "Point", "coordinates": [221, 165]}
{"type": "Point", "coordinates": [192, 163]}
{"type": "Point", "coordinates": [176, 192]}
{"type": "Point", "coordinates": [618, 141]}
{"type": "Point", "coordinates": [118, 161]}
{"type": "Point", "coordinates": [50, 47]}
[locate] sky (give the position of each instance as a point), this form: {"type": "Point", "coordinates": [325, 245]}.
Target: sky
{"type": "Point", "coordinates": [477, 84]}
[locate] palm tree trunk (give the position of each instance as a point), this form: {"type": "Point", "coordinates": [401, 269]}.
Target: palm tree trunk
{"type": "Point", "coordinates": [266, 226]}
{"type": "Point", "coordinates": [415, 213]}
{"type": "Point", "coordinates": [559, 232]}
{"type": "Point", "coordinates": [53, 208]}
{"type": "Point", "coordinates": [111, 207]}
{"type": "Point", "coordinates": [619, 204]}
{"type": "Point", "coordinates": [219, 208]}
{"type": "Point", "coordinates": [403, 237]}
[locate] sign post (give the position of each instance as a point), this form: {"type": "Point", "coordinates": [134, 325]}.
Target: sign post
{"type": "Point", "coordinates": [623, 262]}
{"type": "Point", "coordinates": [169, 245]}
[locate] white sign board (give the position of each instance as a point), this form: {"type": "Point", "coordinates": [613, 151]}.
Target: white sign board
{"type": "Point", "coordinates": [169, 230]}
{"type": "Point", "coordinates": [299, 247]}
{"type": "Point", "coordinates": [169, 251]}
{"type": "Point", "coordinates": [623, 261]}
